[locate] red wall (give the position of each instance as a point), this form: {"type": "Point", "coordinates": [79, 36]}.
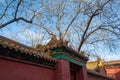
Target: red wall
{"type": "Point", "coordinates": [63, 70]}
{"type": "Point", "coordinates": [118, 76]}
{"type": "Point", "coordinates": [113, 72]}
{"type": "Point", "coordinates": [82, 74]}
{"type": "Point", "coordinates": [10, 70]}
{"type": "Point", "coordinates": [90, 77]}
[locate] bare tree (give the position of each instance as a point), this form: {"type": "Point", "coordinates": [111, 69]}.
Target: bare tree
{"type": "Point", "coordinates": [86, 24]}
{"type": "Point", "coordinates": [18, 10]}
{"type": "Point", "coordinates": [82, 23]}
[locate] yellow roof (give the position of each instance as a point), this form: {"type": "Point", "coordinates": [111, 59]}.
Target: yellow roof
{"type": "Point", "coordinates": [95, 64]}
{"type": "Point", "coordinates": [92, 65]}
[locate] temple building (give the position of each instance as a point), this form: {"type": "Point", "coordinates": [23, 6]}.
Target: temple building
{"type": "Point", "coordinates": [53, 61]}
{"type": "Point", "coordinates": [113, 69]}
{"type": "Point", "coordinates": [109, 68]}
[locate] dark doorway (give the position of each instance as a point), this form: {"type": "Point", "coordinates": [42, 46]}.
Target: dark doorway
{"type": "Point", "coordinates": [73, 75]}
{"type": "Point", "coordinates": [74, 68]}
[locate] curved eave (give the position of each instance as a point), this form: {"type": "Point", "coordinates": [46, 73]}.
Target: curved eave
{"type": "Point", "coordinates": [22, 49]}
{"type": "Point", "coordinates": [76, 52]}
{"type": "Point", "coordinates": [94, 73]}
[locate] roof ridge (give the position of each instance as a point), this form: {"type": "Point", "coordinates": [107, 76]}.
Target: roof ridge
{"type": "Point", "coordinates": [11, 44]}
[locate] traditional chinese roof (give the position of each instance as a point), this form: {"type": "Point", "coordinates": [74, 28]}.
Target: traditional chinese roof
{"type": "Point", "coordinates": [96, 68]}
{"type": "Point", "coordinates": [94, 65]}
{"type": "Point", "coordinates": [94, 73]}
{"type": "Point", "coordinates": [112, 63]}
{"type": "Point", "coordinates": [24, 50]}
{"type": "Point", "coordinates": [60, 49]}
{"type": "Point", "coordinates": [54, 43]}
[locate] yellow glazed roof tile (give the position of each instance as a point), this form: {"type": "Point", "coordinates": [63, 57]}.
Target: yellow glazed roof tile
{"type": "Point", "coordinates": [92, 65]}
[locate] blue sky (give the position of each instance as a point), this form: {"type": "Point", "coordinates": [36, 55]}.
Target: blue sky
{"type": "Point", "coordinates": [26, 34]}
{"type": "Point", "coordinates": [12, 30]}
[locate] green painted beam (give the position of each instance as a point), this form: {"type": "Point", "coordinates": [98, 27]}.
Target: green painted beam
{"type": "Point", "coordinates": [62, 56]}
{"type": "Point", "coordinates": [58, 50]}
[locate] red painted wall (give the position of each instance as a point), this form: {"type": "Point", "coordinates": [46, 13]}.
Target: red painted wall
{"type": "Point", "coordinates": [118, 76]}
{"type": "Point", "coordinates": [63, 70]}
{"type": "Point", "coordinates": [82, 74]}
{"type": "Point", "coordinates": [10, 70]}
{"type": "Point", "coordinates": [113, 72]}
{"type": "Point", "coordinates": [90, 77]}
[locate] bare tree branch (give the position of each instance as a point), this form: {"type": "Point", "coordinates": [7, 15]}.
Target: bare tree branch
{"type": "Point", "coordinates": [13, 20]}
{"type": "Point", "coordinates": [87, 27]}
{"type": "Point", "coordinates": [95, 13]}
{"type": "Point", "coordinates": [6, 9]}
{"type": "Point", "coordinates": [16, 11]}
{"type": "Point", "coordinates": [73, 20]}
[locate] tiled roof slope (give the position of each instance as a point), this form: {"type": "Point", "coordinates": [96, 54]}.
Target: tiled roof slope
{"type": "Point", "coordinates": [116, 62]}
{"type": "Point", "coordinates": [91, 72]}
{"type": "Point", "coordinates": [8, 43]}
{"type": "Point", "coordinates": [97, 68]}
{"type": "Point", "coordinates": [54, 43]}
{"type": "Point", "coordinates": [95, 64]}
{"type": "Point", "coordinates": [92, 65]}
